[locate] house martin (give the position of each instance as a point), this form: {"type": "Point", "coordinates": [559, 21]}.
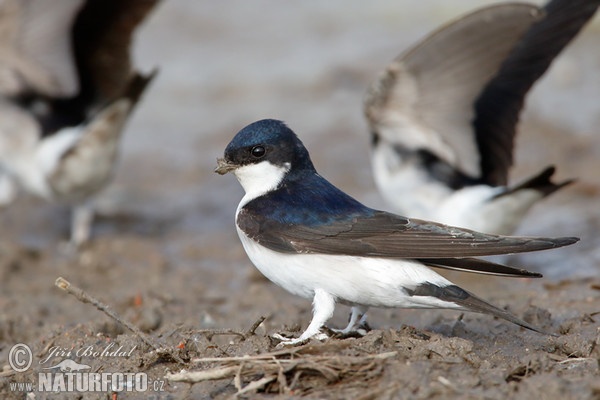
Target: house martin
{"type": "Point", "coordinates": [443, 115]}
{"type": "Point", "coordinates": [67, 88]}
{"type": "Point", "coordinates": [315, 241]}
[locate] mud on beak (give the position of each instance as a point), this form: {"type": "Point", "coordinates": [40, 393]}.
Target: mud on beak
{"type": "Point", "coordinates": [223, 166]}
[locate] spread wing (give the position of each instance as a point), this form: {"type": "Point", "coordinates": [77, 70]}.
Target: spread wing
{"type": "Point", "coordinates": [386, 235]}
{"type": "Point", "coordinates": [424, 99]}
{"type": "Point", "coordinates": [498, 107]}
{"type": "Point", "coordinates": [35, 47]}
{"type": "Point", "coordinates": [103, 34]}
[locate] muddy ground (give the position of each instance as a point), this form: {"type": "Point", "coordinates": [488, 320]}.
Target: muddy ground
{"type": "Point", "coordinates": [165, 255]}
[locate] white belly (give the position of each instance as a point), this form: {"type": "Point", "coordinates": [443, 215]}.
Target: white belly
{"type": "Point", "coordinates": [373, 282]}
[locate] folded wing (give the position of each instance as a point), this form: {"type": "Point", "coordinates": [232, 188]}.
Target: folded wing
{"type": "Point", "coordinates": [387, 235]}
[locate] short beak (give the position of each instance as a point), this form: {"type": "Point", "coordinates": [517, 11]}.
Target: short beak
{"type": "Point", "coordinates": [224, 167]}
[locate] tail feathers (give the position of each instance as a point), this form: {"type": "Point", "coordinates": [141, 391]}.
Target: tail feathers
{"type": "Point", "coordinates": [118, 110]}
{"type": "Point", "coordinates": [470, 302]}
{"type": "Point", "coordinates": [474, 303]}
{"type": "Point", "coordinates": [479, 266]}
{"type": "Point", "coordinates": [541, 182]}
{"type": "Point", "coordinates": [137, 85]}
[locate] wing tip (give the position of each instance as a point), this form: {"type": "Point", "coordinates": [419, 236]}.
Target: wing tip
{"type": "Point", "coordinates": [532, 328]}
{"type": "Point", "coordinates": [529, 274]}
{"type": "Point", "coordinates": [545, 243]}
{"type": "Point", "coordinates": [565, 241]}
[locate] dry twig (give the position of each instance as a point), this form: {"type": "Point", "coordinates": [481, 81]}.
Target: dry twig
{"type": "Point", "coordinates": [244, 335]}
{"type": "Point", "coordinates": [205, 375]}
{"type": "Point", "coordinates": [84, 297]}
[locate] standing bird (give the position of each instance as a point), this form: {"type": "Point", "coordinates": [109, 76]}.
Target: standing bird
{"type": "Point", "coordinates": [315, 241]}
{"type": "Point", "coordinates": [67, 88]}
{"type": "Point", "coordinates": [443, 115]}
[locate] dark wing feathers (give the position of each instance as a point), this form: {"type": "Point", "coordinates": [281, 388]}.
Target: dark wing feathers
{"type": "Point", "coordinates": [103, 34]}
{"type": "Point", "coordinates": [478, 266]}
{"type": "Point", "coordinates": [498, 106]}
{"type": "Point", "coordinates": [541, 183]}
{"type": "Point", "coordinates": [386, 235]}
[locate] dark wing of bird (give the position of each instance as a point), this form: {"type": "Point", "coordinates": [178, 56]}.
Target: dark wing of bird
{"type": "Point", "coordinates": [424, 98]}
{"type": "Point", "coordinates": [382, 234]}
{"type": "Point", "coordinates": [479, 266]}
{"type": "Point", "coordinates": [103, 34]}
{"type": "Point", "coordinates": [498, 107]}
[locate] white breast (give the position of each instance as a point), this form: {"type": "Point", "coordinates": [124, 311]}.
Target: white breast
{"type": "Point", "coordinates": [258, 179]}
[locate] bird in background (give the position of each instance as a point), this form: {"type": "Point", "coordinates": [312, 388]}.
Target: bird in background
{"type": "Point", "coordinates": [443, 115]}
{"type": "Point", "coordinates": [67, 88]}
{"type": "Point", "coordinates": [315, 241]}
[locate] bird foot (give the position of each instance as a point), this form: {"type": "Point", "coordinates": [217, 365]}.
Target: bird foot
{"type": "Point", "coordinates": [356, 332]}
{"type": "Point", "coordinates": [286, 341]}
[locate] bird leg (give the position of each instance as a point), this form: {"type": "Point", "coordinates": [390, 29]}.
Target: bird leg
{"type": "Point", "coordinates": [357, 320]}
{"type": "Point", "coordinates": [8, 190]}
{"type": "Point", "coordinates": [357, 325]}
{"type": "Point", "coordinates": [323, 306]}
{"type": "Point", "coordinates": [81, 223]}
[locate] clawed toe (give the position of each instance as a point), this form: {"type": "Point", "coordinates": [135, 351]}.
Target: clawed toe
{"type": "Point", "coordinates": [345, 334]}
{"type": "Point", "coordinates": [286, 341]}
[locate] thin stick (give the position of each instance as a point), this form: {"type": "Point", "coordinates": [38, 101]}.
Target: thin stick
{"type": "Point", "coordinates": [205, 375]}
{"type": "Point", "coordinates": [263, 356]}
{"type": "Point", "coordinates": [84, 297]}
{"type": "Point", "coordinates": [254, 326]}
{"type": "Point", "coordinates": [237, 380]}
{"type": "Point", "coordinates": [255, 385]}
{"type": "Point", "coordinates": [227, 331]}
{"type": "Point", "coordinates": [283, 386]}
{"type": "Point", "coordinates": [268, 357]}
{"type": "Point", "coordinates": [216, 332]}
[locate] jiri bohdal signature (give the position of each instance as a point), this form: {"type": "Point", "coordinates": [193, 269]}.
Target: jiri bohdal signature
{"type": "Point", "coordinates": [110, 350]}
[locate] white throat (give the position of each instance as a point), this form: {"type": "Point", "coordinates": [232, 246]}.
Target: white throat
{"type": "Point", "coordinates": [259, 179]}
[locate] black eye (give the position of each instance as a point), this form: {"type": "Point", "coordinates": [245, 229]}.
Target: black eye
{"type": "Point", "coordinates": [258, 151]}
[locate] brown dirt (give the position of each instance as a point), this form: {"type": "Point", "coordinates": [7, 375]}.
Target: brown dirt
{"type": "Point", "coordinates": [439, 355]}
